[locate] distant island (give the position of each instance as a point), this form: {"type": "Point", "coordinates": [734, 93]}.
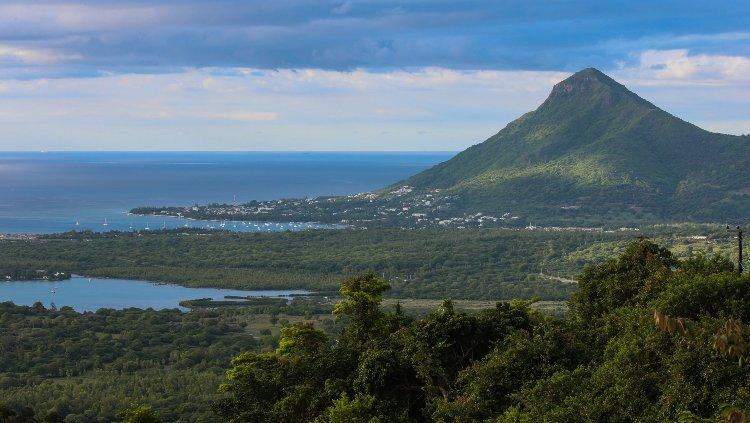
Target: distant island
{"type": "Point", "coordinates": [593, 154]}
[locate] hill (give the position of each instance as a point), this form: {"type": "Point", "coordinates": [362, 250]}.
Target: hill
{"type": "Point", "coordinates": [595, 152]}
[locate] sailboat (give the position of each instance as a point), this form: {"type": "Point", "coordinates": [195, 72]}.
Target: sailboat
{"type": "Point", "coordinates": [77, 223]}
{"type": "Point", "coordinates": [105, 222]}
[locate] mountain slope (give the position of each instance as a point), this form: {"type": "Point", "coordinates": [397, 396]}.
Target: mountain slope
{"type": "Point", "coordinates": [595, 152]}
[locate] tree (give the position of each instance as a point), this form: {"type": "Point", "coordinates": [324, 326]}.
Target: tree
{"type": "Point", "coordinates": [362, 296]}
{"type": "Point", "coordinates": [139, 414]}
{"type": "Point", "coordinates": [301, 340]}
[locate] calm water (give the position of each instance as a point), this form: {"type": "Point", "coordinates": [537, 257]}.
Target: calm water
{"type": "Point", "coordinates": [83, 295]}
{"type": "Point", "coordinates": [49, 192]}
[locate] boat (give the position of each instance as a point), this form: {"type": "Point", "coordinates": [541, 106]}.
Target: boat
{"type": "Point", "coordinates": [105, 222]}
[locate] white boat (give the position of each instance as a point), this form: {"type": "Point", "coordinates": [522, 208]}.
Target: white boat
{"type": "Point", "coordinates": [105, 222]}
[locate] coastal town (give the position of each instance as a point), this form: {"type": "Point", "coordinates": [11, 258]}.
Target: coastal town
{"type": "Point", "coordinates": [400, 207]}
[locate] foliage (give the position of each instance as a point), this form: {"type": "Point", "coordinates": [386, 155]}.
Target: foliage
{"type": "Point", "coordinates": [139, 414]}
{"type": "Point", "coordinates": [86, 367]}
{"type": "Point", "coordinates": [471, 264]}
{"type": "Point", "coordinates": [617, 357]}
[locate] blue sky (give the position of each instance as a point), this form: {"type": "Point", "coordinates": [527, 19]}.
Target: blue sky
{"type": "Point", "coordinates": [346, 75]}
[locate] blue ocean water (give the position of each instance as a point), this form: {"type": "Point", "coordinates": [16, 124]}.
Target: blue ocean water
{"type": "Point", "coordinates": [50, 192]}
{"type": "Point", "coordinates": [84, 294]}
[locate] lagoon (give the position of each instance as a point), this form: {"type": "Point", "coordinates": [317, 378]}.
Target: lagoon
{"type": "Point", "coordinates": [91, 294]}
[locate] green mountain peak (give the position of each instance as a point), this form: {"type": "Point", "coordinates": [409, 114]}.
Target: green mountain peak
{"type": "Point", "coordinates": [595, 151]}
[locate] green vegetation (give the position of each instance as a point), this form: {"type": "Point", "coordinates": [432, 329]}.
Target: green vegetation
{"type": "Point", "coordinates": [103, 366]}
{"type": "Point", "coordinates": [90, 366]}
{"type": "Point", "coordinates": [596, 153]}
{"type": "Point", "coordinates": [472, 264]}
{"type": "Point", "coordinates": [461, 264]}
{"type": "Point", "coordinates": [648, 338]}
{"type": "Point", "coordinates": [233, 301]}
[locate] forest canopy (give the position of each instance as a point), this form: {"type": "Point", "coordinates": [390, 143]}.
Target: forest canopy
{"type": "Point", "coordinates": [648, 338]}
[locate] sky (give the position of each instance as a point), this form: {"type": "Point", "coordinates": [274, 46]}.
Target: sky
{"type": "Point", "coordinates": [372, 75]}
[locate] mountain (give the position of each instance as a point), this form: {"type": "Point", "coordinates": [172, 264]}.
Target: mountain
{"type": "Point", "coordinates": [596, 153]}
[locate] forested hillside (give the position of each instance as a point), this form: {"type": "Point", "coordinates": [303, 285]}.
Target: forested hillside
{"type": "Point", "coordinates": [649, 338]}
{"type": "Point", "coordinates": [595, 152]}
{"type": "Point", "coordinates": [88, 367]}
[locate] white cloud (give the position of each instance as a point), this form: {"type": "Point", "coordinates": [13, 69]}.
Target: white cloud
{"type": "Point", "coordinates": [710, 90]}
{"type": "Point", "coordinates": [45, 17]}
{"type": "Point", "coordinates": [343, 8]}
{"type": "Point", "coordinates": [432, 108]}
{"type": "Point", "coordinates": [309, 109]}
{"type": "Point", "coordinates": [30, 56]}
{"type": "Point", "coordinates": [737, 127]}
{"type": "Point", "coordinates": [241, 116]}
{"type": "Point", "coordinates": [679, 67]}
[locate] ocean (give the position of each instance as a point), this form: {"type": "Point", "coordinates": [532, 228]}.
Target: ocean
{"type": "Point", "coordinates": [47, 192]}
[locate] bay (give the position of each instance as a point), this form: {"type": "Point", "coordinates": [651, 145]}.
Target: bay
{"type": "Point", "coordinates": [51, 192]}
{"type": "Point", "coordinates": [91, 294]}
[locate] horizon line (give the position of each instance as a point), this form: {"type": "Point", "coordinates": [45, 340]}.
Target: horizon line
{"type": "Point", "coordinates": [227, 151]}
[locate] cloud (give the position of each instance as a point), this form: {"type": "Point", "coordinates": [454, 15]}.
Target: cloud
{"type": "Point", "coordinates": [40, 18]}
{"type": "Point", "coordinates": [10, 55]}
{"type": "Point", "coordinates": [343, 8]}
{"type": "Point", "coordinates": [139, 36]}
{"type": "Point", "coordinates": [245, 108]}
{"type": "Point", "coordinates": [680, 67]}
{"type": "Point", "coordinates": [228, 115]}
{"type": "Point", "coordinates": [346, 74]}
{"type": "Point", "coordinates": [313, 109]}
